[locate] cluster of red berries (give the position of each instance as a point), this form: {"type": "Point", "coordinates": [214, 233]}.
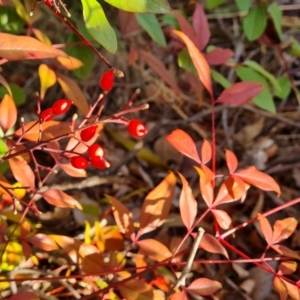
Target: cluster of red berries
{"type": "Point", "coordinates": [58, 108]}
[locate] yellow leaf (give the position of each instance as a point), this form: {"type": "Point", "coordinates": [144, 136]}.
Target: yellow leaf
{"type": "Point", "coordinates": [41, 36]}
{"type": "Point", "coordinates": [47, 78]}
{"type": "Point", "coordinates": [70, 62]}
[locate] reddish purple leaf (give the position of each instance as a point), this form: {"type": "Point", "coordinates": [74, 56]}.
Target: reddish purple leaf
{"type": "Point", "coordinates": [218, 56]}
{"type": "Point", "coordinates": [201, 27]}
{"type": "Point", "coordinates": [128, 22]}
{"type": "Point", "coordinates": [240, 93]}
{"type": "Point", "coordinates": [183, 143]}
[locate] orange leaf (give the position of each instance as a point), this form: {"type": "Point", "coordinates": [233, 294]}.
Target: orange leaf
{"type": "Point", "coordinates": [259, 179]}
{"type": "Point", "coordinates": [204, 286]}
{"type": "Point", "coordinates": [285, 251]}
{"type": "Point", "coordinates": [231, 189]}
{"type": "Point", "coordinates": [199, 62]}
{"type": "Point", "coordinates": [206, 188]}
{"type": "Point", "coordinates": [69, 62]}
{"type": "Point", "coordinates": [14, 47]}
{"type": "Point", "coordinates": [93, 263]}
{"type": "Point", "coordinates": [42, 241]}
{"type": "Point", "coordinates": [187, 204]}
{"type": "Point", "coordinates": [41, 36]}
{"type": "Point", "coordinates": [8, 112]}
{"type": "Point", "coordinates": [179, 296]}
{"type": "Point", "coordinates": [4, 183]}
{"type": "Point", "coordinates": [265, 228]}
{"type": "Point", "coordinates": [73, 92]}
{"type": "Point", "coordinates": [206, 152]}
{"type": "Point", "coordinates": [293, 290]}
{"type": "Point", "coordinates": [222, 218]}
{"type": "Point", "coordinates": [210, 244]}
{"type": "Point", "coordinates": [22, 172]}
{"type": "Point", "coordinates": [240, 93]}
{"type": "Point", "coordinates": [154, 249]}
{"type": "Point", "coordinates": [26, 249]}
{"type": "Point", "coordinates": [47, 78]}
{"type": "Point", "coordinates": [158, 67]}
{"type": "Point", "coordinates": [280, 288]}
{"type": "Point", "coordinates": [5, 84]}
{"type": "Point", "coordinates": [122, 215]}
{"type": "Point", "coordinates": [157, 205]}
{"type": "Point", "coordinates": [70, 170]}
{"type": "Point", "coordinates": [136, 290]}
{"type": "Point", "coordinates": [53, 128]}
{"type": "Point", "coordinates": [231, 161]}
{"type": "Point", "coordinates": [288, 267]}
{"type": "Point", "coordinates": [60, 199]}
{"type": "Point", "coordinates": [183, 143]}
{"type": "Point", "coordinates": [283, 229]}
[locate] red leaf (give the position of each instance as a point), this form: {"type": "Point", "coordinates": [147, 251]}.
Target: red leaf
{"type": "Point", "coordinates": [187, 204]}
{"type": "Point", "coordinates": [283, 229]}
{"type": "Point", "coordinates": [158, 67]}
{"type": "Point", "coordinates": [185, 26]}
{"type": "Point", "coordinates": [206, 152]}
{"type": "Point", "coordinates": [240, 93]}
{"type": "Point", "coordinates": [26, 249]}
{"type": "Point", "coordinates": [231, 161]}
{"type": "Point", "coordinates": [25, 295]}
{"type": "Point", "coordinates": [122, 215]}
{"type": "Point", "coordinates": [42, 241]}
{"type": "Point", "coordinates": [204, 286]}
{"type": "Point", "coordinates": [133, 56]}
{"type": "Point", "coordinates": [285, 251]}
{"type": "Point", "coordinates": [154, 249]}
{"type": "Point", "coordinates": [183, 143]}
{"type": "Point", "coordinates": [259, 179]}
{"type": "Point", "coordinates": [222, 218]}
{"type": "Point", "coordinates": [199, 62]}
{"type": "Point", "coordinates": [201, 27]}
{"type": "Point", "coordinates": [128, 22]}
{"type": "Point", "coordinates": [60, 199]}
{"type": "Point", "coordinates": [157, 204]}
{"type": "Point", "coordinates": [210, 244]}
{"type": "Point", "coordinates": [8, 112]}
{"type": "Point", "coordinates": [218, 56]}
{"type": "Point", "coordinates": [14, 47]}
{"type": "Point", "coordinates": [265, 228]}
{"type": "Point", "coordinates": [22, 172]}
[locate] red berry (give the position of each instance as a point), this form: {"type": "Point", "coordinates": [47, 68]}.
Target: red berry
{"type": "Point", "coordinates": [88, 133]}
{"type": "Point", "coordinates": [137, 128]}
{"type": "Point", "coordinates": [100, 163]}
{"type": "Point", "coordinates": [47, 115]}
{"type": "Point", "coordinates": [61, 106]}
{"type": "Point", "coordinates": [107, 80]}
{"type": "Point", "coordinates": [79, 162]}
{"type": "Point", "coordinates": [95, 151]}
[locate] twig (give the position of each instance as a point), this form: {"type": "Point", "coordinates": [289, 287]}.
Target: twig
{"type": "Point", "coordinates": [181, 280]}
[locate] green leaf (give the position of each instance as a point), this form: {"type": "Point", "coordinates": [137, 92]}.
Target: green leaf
{"type": "Point", "coordinates": [142, 6]}
{"type": "Point", "coordinates": [4, 167]}
{"type": "Point", "coordinates": [243, 5]}
{"type": "Point", "coordinates": [255, 66]}
{"type": "Point", "coordinates": [295, 48]}
{"type": "Point", "coordinates": [170, 19]}
{"type": "Point", "coordinates": [210, 4]}
{"type": "Point", "coordinates": [98, 26]}
{"type": "Point", "coordinates": [285, 84]}
{"type": "Point", "coordinates": [185, 62]}
{"type": "Point", "coordinates": [84, 54]}
{"type": "Point", "coordinates": [264, 100]}
{"type": "Point", "coordinates": [3, 148]}
{"type": "Point", "coordinates": [10, 21]}
{"type": "Point", "coordinates": [276, 15]}
{"type": "Point", "coordinates": [151, 25]}
{"type": "Point", "coordinates": [18, 94]}
{"type": "Point", "coordinates": [255, 23]}
{"type": "Point", "coordinates": [219, 78]}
